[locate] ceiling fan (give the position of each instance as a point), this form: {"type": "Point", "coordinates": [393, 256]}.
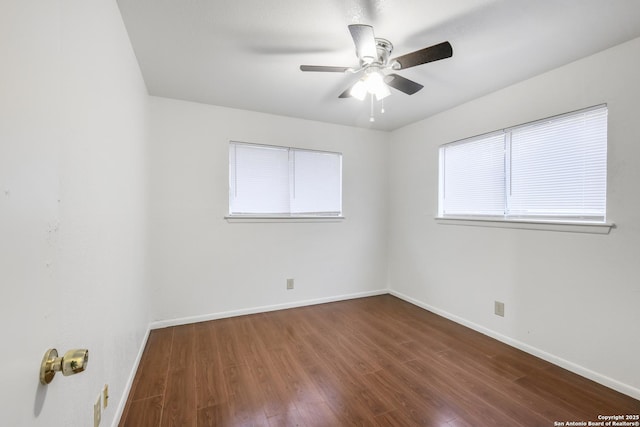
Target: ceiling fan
{"type": "Point", "coordinates": [374, 55]}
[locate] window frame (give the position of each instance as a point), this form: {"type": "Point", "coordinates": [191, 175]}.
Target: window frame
{"type": "Point", "coordinates": [554, 223]}
{"type": "Point", "coordinates": [329, 216]}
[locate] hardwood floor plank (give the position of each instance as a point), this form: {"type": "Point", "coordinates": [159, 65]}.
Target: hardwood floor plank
{"type": "Point", "coordinates": [470, 407]}
{"type": "Point", "coordinates": [374, 320]}
{"type": "Point", "coordinates": [336, 363]}
{"type": "Point", "coordinates": [152, 375]}
{"type": "Point", "coordinates": [214, 416]}
{"type": "Point", "coordinates": [493, 396]}
{"type": "Point", "coordinates": [549, 410]}
{"type": "Point", "coordinates": [293, 323]}
{"type": "Point", "coordinates": [382, 350]}
{"type": "Point", "coordinates": [370, 361]}
{"type": "Point", "coordinates": [243, 334]}
{"type": "Point", "coordinates": [340, 347]}
{"type": "Point", "coordinates": [480, 377]}
{"type": "Point", "coordinates": [585, 404]}
{"type": "Point", "coordinates": [395, 418]}
{"type": "Point", "coordinates": [226, 344]}
{"type": "Point", "coordinates": [293, 373]}
{"type": "Point", "coordinates": [210, 390]}
{"type": "Point", "coordinates": [144, 413]}
{"type": "Point", "coordinates": [459, 422]}
{"type": "Point", "coordinates": [206, 340]}
{"type": "Point", "coordinates": [339, 397]}
{"type": "Point", "coordinates": [341, 366]}
{"type": "Point", "coordinates": [269, 332]}
{"type": "Point", "coordinates": [290, 417]}
{"type": "Point", "coordinates": [275, 398]}
{"type": "Point", "coordinates": [411, 407]}
{"type": "Point", "coordinates": [245, 403]}
{"type": "Point", "coordinates": [179, 405]}
{"type": "Point", "coordinates": [622, 403]}
{"type": "Point", "coordinates": [316, 414]}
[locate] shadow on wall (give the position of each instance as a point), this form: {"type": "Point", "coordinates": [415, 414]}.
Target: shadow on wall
{"type": "Point", "coordinates": [41, 395]}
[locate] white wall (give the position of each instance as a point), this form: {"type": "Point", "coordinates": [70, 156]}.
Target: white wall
{"type": "Point", "coordinates": [202, 265]}
{"type": "Point", "coordinates": [570, 297]}
{"type": "Point", "coordinates": [73, 111]}
{"type": "Point", "coordinates": [78, 219]}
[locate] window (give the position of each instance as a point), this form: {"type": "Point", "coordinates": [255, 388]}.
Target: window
{"type": "Point", "coordinates": [281, 181]}
{"type": "Point", "coordinates": [550, 170]}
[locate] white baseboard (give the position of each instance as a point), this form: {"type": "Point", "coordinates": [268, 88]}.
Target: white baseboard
{"type": "Point", "coordinates": [262, 309]}
{"type": "Point", "coordinates": [563, 363]}
{"type": "Point", "coordinates": [129, 384]}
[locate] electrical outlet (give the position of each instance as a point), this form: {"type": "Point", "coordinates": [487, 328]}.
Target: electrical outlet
{"type": "Point", "coordinates": [97, 413]}
{"type": "Point", "coordinates": [498, 308]}
{"type": "Point", "coordinates": [289, 283]}
{"type": "Point", "coordinates": [105, 396]}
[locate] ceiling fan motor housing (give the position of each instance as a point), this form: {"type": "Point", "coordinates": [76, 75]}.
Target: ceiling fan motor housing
{"type": "Point", "coordinates": [383, 49]}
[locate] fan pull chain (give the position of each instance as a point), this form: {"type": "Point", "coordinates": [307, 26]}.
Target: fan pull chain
{"type": "Point", "coordinates": [371, 118]}
{"type": "Point", "coordinates": [382, 106]}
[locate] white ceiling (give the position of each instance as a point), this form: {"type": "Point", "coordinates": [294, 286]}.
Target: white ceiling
{"type": "Point", "coordinates": [246, 53]}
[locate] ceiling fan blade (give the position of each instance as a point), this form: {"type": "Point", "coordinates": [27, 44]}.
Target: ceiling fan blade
{"type": "Point", "coordinates": [428, 54]}
{"type": "Point", "coordinates": [402, 84]}
{"type": "Point", "coordinates": [323, 68]}
{"type": "Point", "coordinates": [365, 42]}
{"type": "Point", "coordinates": [346, 93]}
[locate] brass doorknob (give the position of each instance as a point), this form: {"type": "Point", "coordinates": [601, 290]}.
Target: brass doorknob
{"type": "Point", "coordinates": [73, 362]}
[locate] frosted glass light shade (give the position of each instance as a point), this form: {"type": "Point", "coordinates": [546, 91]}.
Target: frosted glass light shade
{"type": "Point", "coordinates": [359, 90]}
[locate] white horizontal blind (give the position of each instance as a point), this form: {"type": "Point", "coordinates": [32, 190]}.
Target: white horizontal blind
{"type": "Point", "coordinates": [553, 170]}
{"type": "Point", "coordinates": [316, 183]}
{"type": "Point", "coordinates": [558, 168]}
{"type": "Point", "coordinates": [283, 181]}
{"type": "Point", "coordinates": [472, 177]}
{"type": "Point", "coordinates": [259, 178]}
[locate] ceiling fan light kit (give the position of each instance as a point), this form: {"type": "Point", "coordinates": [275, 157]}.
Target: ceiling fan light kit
{"type": "Point", "coordinates": [374, 57]}
{"type": "Point", "coordinates": [371, 83]}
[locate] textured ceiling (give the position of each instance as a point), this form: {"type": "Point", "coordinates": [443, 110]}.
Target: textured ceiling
{"type": "Point", "coordinates": [246, 53]}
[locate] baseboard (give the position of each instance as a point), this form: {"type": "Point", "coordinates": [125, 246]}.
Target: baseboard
{"type": "Point", "coordinates": [262, 309]}
{"type": "Point", "coordinates": [129, 384]}
{"type": "Point", "coordinates": [563, 363]}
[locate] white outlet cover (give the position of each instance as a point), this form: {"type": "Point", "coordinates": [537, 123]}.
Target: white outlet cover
{"type": "Point", "coordinates": [499, 308]}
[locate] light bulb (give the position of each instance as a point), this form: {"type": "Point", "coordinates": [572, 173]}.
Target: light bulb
{"type": "Point", "coordinates": [375, 85]}
{"type": "Point", "coordinates": [359, 90]}
{"type": "Point", "coordinates": [373, 80]}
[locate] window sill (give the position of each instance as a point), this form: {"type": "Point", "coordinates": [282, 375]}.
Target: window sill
{"type": "Point", "coordinates": [571, 227]}
{"type": "Point", "coordinates": [264, 219]}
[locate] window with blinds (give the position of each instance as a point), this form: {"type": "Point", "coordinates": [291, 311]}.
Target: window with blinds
{"type": "Point", "coordinates": [551, 170]}
{"type": "Point", "coordinates": [282, 181]}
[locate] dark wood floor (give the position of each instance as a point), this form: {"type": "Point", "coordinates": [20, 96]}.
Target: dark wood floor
{"type": "Point", "coordinates": [373, 361]}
